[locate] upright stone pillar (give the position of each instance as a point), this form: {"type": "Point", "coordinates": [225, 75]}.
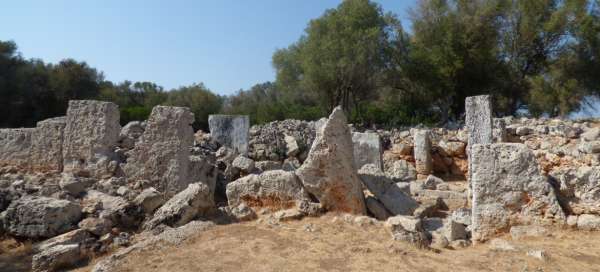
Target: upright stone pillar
{"type": "Point", "coordinates": [46, 145]}
{"type": "Point", "coordinates": [329, 172]}
{"type": "Point", "coordinates": [91, 134]}
{"type": "Point", "coordinates": [367, 149]}
{"type": "Point", "coordinates": [509, 189]}
{"type": "Point", "coordinates": [162, 154]}
{"type": "Point", "coordinates": [422, 152]}
{"type": "Point", "coordinates": [478, 121]}
{"type": "Point", "coordinates": [231, 131]}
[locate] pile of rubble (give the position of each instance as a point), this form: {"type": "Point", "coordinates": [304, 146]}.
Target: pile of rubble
{"type": "Point", "coordinates": [80, 186]}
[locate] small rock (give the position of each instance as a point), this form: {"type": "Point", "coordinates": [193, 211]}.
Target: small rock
{"type": "Point", "coordinates": [291, 146]}
{"type": "Point", "coordinates": [149, 199]}
{"type": "Point", "coordinates": [71, 184]}
{"type": "Point", "coordinates": [538, 254]}
{"type": "Point", "coordinates": [456, 244]}
{"type": "Point", "coordinates": [57, 257]}
{"type": "Point", "coordinates": [501, 245]}
{"type": "Point", "coordinates": [97, 226]}
{"type": "Point", "coordinates": [588, 222]}
{"type": "Point", "coordinates": [462, 215]}
{"type": "Point", "coordinates": [518, 232]}
{"type": "Point", "coordinates": [244, 164]}
{"type": "Point", "coordinates": [432, 182]}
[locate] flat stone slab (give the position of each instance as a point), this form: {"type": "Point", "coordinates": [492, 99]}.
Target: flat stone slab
{"type": "Point", "coordinates": [367, 149]}
{"type": "Point", "coordinates": [231, 131]}
{"type": "Point", "coordinates": [478, 120]}
{"type": "Point", "coordinates": [509, 189]}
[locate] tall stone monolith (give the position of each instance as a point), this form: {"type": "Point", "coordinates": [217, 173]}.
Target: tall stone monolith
{"type": "Point", "coordinates": [90, 137]}
{"type": "Point", "coordinates": [329, 172]}
{"type": "Point", "coordinates": [231, 131]}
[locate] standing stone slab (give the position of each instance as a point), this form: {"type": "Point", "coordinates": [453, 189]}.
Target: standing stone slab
{"type": "Point", "coordinates": [162, 154]}
{"type": "Point", "coordinates": [478, 121]}
{"type": "Point", "coordinates": [329, 172]}
{"type": "Point", "coordinates": [46, 145]}
{"type": "Point", "coordinates": [367, 149]}
{"type": "Point", "coordinates": [231, 131]}
{"type": "Point", "coordinates": [15, 145]}
{"type": "Point", "coordinates": [90, 136]}
{"type": "Point", "coordinates": [509, 189]}
{"type": "Point", "coordinates": [422, 151]}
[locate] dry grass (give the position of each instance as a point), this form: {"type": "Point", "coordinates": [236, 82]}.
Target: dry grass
{"type": "Point", "coordinates": [341, 246]}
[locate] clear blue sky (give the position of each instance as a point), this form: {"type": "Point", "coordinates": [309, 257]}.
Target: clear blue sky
{"type": "Point", "coordinates": [225, 44]}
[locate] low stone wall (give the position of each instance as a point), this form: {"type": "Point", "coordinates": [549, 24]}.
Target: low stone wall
{"type": "Point", "coordinates": [15, 145]}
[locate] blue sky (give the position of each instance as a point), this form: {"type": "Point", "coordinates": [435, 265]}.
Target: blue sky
{"type": "Point", "coordinates": [225, 44]}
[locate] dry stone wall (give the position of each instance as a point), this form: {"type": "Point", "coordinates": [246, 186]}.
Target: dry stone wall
{"type": "Point", "coordinates": [91, 134]}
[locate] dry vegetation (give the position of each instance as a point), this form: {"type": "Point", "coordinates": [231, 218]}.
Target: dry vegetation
{"type": "Point", "coordinates": [327, 244]}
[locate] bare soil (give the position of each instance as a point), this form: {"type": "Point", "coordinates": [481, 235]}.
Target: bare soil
{"type": "Point", "coordinates": [331, 244]}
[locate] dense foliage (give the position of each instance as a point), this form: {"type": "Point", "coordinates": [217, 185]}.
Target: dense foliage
{"type": "Point", "coordinates": [537, 57]}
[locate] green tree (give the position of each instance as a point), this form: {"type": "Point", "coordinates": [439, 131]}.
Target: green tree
{"type": "Point", "coordinates": [340, 56]}
{"type": "Point", "coordinates": [199, 99]}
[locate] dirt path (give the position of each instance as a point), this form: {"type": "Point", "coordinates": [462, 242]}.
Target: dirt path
{"type": "Point", "coordinates": [318, 244]}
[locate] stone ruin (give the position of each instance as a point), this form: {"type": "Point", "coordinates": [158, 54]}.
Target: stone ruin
{"type": "Point", "coordinates": [80, 186]}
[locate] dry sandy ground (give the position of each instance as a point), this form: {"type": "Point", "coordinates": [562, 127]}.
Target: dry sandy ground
{"type": "Point", "coordinates": [318, 244]}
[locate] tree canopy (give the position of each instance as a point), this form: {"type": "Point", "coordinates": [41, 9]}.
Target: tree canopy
{"type": "Point", "coordinates": [535, 57]}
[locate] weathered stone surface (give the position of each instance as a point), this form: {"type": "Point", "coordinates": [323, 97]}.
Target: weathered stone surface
{"type": "Point", "coordinates": [408, 229]}
{"type": "Point", "coordinates": [367, 149]}
{"type": "Point", "coordinates": [133, 129]}
{"type": "Point", "coordinates": [97, 226]}
{"type": "Point", "coordinates": [462, 215]}
{"type": "Point", "coordinates": [518, 232]}
{"type": "Point", "coordinates": [243, 164]}
{"type": "Point", "coordinates": [376, 208]}
{"type": "Point", "coordinates": [72, 184]}
{"type": "Point", "coordinates": [592, 134]}
{"type": "Point", "coordinates": [452, 148]}
{"type": "Point", "coordinates": [241, 212]}
{"type": "Point", "coordinates": [454, 230]}
{"type": "Point", "coordinates": [275, 190]}
{"type": "Point", "coordinates": [162, 154]}
{"type": "Point", "coordinates": [231, 131]}
{"type": "Point", "coordinates": [182, 208]}
{"type": "Point", "coordinates": [478, 120]}
{"type": "Point", "coordinates": [588, 222]}
{"type": "Point", "coordinates": [46, 145]}
{"type": "Point", "coordinates": [77, 236]}
{"type": "Point", "coordinates": [55, 258]}
{"type": "Point", "coordinates": [508, 189]}
{"type": "Point", "coordinates": [401, 171]}
{"type": "Point", "coordinates": [149, 199]}
{"type": "Point", "coordinates": [267, 165]}
{"type": "Point", "coordinates": [328, 173]}
{"type": "Point", "coordinates": [291, 146]}
{"type": "Point", "coordinates": [580, 188]}
{"type": "Point", "coordinates": [15, 146]}
{"type": "Point", "coordinates": [39, 217]}
{"type": "Point", "coordinates": [431, 182]}
{"type": "Point", "coordinates": [116, 209]}
{"type": "Point", "coordinates": [384, 189]}
{"type": "Point", "coordinates": [90, 136]}
{"type": "Point", "coordinates": [422, 152]}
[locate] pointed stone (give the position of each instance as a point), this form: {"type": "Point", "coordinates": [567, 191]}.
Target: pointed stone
{"type": "Point", "coordinates": [329, 173]}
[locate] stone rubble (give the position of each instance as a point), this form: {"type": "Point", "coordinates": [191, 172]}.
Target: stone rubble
{"type": "Point", "coordinates": [80, 186]}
